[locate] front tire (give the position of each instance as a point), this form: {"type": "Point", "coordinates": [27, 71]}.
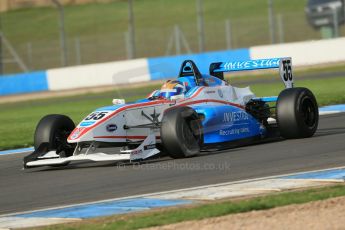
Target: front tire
{"type": "Point", "coordinates": [297, 113]}
{"type": "Point", "coordinates": [181, 132]}
{"type": "Point", "coordinates": [54, 129]}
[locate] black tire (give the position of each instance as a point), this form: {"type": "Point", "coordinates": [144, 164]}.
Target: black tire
{"type": "Point", "coordinates": [54, 130]}
{"type": "Point", "coordinates": [297, 113]}
{"type": "Point", "coordinates": [181, 132]}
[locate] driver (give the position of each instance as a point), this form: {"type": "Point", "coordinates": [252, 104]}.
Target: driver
{"type": "Point", "coordinates": [173, 88]}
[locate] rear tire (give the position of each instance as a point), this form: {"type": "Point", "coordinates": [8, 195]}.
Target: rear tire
{"type": "Point", "coordinates": [181, 132]}
{"type": "Point", "coordinates": [54, 130]}
{"type": "Point", "coordinates": [297, 113]}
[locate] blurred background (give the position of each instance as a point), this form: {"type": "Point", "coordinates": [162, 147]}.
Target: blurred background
{"type": "Point", "coordinates": [38, 37]}
{"type": "Point", "coordinates": [42, 34]}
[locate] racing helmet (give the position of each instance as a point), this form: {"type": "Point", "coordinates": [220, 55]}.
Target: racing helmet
{"type": "Point", "coordinates": [172, 88]}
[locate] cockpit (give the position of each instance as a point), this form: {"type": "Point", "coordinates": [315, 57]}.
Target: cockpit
{"type": "Point", "coordinates": [189, 77]}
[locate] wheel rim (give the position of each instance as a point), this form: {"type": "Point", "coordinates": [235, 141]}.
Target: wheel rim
{"type": "Point", "coordinates": [190, 139]}
{"type": "Point", "coordinates": [60, 140]}
{"type": "Point", "coordinates": [309, 112]}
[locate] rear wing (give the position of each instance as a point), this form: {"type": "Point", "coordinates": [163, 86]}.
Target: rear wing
{"type": "Point", "coordinates": [283, 64]}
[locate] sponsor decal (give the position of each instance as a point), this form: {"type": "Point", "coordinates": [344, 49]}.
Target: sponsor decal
{"type": "Point", "coordinates": [211, 91]}
{"type": "Point", "coordinates": [220, 93]}
{"type": "Point", "coordinates": [263, 63]}
{"type": "Point", "coordinates": [233, 131]}
{"type": "Point", "coordinates": [111, 127]}
{"type": "Point", "coordinates": [235, 116]}
{"type": "Point", "coordinates": [147, 147]}
{"type": "Point", "coordinates": [95, 116]}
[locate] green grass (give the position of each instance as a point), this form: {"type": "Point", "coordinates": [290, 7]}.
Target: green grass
{"type": "Point", "coordinates": [19, 119]}
{"type": "Point", "coordinates": [100, 28]}
{"type": "Point", "coordinates": [90, 19]}
{"type": "Point", "coordinates": [326, 91]}
{"type": "Point", "coordinates": [137, 221]}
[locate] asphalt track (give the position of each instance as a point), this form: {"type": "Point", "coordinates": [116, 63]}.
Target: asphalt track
{"type": "Point", "coordinates": [22, 190]}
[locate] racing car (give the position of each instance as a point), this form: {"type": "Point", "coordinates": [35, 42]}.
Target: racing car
{"type": "Point", "coordinates": [188, 115]}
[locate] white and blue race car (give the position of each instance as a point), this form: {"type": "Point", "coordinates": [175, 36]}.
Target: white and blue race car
{"type": "Point", "coordinates": [188, 115]}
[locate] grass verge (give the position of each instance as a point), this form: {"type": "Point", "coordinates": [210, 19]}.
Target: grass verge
{"type": "Point", "coordinates": [169, 216]}
{"type": "Point", "coordinates": [19, 119]}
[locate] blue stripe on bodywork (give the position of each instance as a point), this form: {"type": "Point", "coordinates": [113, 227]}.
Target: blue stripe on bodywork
{"type": "Point", "coordinates": [23, 83]}
{"type": "Point", "coordinates": [265, 99]}
{"type": "Point", "coordinates": [87, 123]}
{"type": "Point", "coordinates": [168, 67]}
{"type": "Point", "coordinates": [105, 208]}
{"type": "Point", "coordinates": [110, 108]}
{"type": "Point", "coordinates": [192, 91]}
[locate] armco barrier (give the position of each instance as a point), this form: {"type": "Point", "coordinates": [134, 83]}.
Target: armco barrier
{"type": "Point", "coordinates": [112, 73]}
{"type": "Point", "coordinates": [23, 83]}
{"type": "Point", "coordinates": [141, 70]}
{"type": "Point", "coordinates": [304, 53]}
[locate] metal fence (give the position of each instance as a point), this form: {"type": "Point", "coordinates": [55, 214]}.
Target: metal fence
{"type": "Point", "coordinates": [174, 39]}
